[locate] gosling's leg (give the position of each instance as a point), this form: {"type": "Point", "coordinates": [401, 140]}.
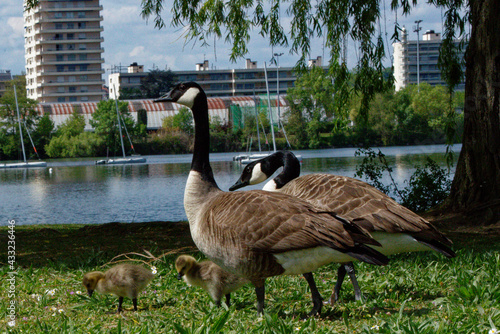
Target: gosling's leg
{"type": "Point", "coordinates": [352, 275]}
{"type": "Point", "coordinates": [228, 299]}
{"type": "Point", "coordinates": [120, 302]}
{"type": "Point", "coordinates": [316, 296]}
{"type": "Point", "coordinates": [134, 301]}
{"type": "Point", "coordinates": [336, 290]}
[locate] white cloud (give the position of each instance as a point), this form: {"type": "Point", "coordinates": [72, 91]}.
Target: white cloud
{"type": "Point", "coordinates": [137, 51]}
{"type": "Point", "coordinates": [17, 25]}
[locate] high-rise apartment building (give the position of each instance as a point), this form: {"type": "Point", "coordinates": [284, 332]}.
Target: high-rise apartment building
{"type": "Point", "coordinates": [422, 53]}
{"type": "Point", "coordinates": [63, 51]}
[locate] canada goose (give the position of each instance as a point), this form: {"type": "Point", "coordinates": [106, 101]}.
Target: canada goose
{"type": "Point", "coordinates": [258, 234]}
{"type": "Point", "coordinates": [123, 280]}
{"type": "Point", "coordinates": [397, 228]}
{"type": "Point", "coordinates": [208, 276]}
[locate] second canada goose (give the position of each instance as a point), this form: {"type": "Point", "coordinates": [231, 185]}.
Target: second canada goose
{"type": "Point", "coordinates": [123, 280]}
{"type": "Point", "coordinates": [208, 276]}
{"type": "Point", "coordinates": [258, 234]}
{"type": "Point", "coordinates": [397, 228]}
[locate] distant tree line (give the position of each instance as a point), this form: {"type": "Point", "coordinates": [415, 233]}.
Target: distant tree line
{"type": "Point", "coordinates": [413, 115]}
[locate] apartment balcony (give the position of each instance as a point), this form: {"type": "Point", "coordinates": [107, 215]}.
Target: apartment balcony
{"type": "Point", "coordinates": [94, 92]}
{"type": "Point", "coordinates": [72, 8]}
{"type": "Point", "coordinates": [70, 41]}
{"type": "Point", "coordinates": [73, 30]}
{"type": "Point", "coordinates": [67, 72]}
{"type": "Point", "coordinates": [70, 62]}
{"type": "Point", "coordinates": [55, 83]}
{"type": "Point", "coordinates": [48, 51]}
{"type": "Point", "coordinates": [86, 18]}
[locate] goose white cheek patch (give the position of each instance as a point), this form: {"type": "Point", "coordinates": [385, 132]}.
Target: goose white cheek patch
{"type": "Point", "coordinates": [257, 175]}
{"type": "Point", "coordinates": [188, 97]}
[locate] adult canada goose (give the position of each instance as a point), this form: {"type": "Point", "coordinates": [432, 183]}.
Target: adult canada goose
{"type": "Point", "coordinates": [397, 228]}
{"type": "Point", "coordinates": [123, 280]}
{"type": "Point", "coordinates": [208, 276]}
{"type": "Point", "coordinates": [258, 234]}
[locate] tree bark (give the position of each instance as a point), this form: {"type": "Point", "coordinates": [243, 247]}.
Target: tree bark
{"type": "Point", "coordinates": [477, 177]}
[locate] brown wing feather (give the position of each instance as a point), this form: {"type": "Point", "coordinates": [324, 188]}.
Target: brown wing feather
{"type": "Point", "coordinates": [361, 203]}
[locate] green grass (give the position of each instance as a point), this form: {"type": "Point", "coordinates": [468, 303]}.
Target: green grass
{"type": "Point", "coordinates": [415, 293]}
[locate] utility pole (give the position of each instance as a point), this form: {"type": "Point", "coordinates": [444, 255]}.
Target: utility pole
{"type": "Point", "coordinates": [417, 30]}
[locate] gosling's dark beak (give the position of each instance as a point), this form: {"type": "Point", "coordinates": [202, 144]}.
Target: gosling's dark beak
{"type": "Point", "coordinates": [90, 292]}
{"type": "Point", "coordinates": [239, 184]}
{"type": "Point", "coordinates": [165, 98]}
{"type": "Point", "coordinates": [179, 276]}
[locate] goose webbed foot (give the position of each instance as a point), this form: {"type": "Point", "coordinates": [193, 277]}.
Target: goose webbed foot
{"type": "Point", "coordinates": [316, 296]}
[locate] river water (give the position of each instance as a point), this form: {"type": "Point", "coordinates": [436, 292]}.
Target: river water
{"type": "Point", "coordinates": [79, 192]}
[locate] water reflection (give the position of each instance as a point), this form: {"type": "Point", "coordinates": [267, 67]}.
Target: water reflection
{"type": "Point", "coordinates": [87, 194]}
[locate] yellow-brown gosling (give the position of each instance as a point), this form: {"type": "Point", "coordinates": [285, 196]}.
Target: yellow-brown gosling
{"type": "Point", "coordinates": [208, 276]}
{"type": "Point", "coordinates": [123, 280]}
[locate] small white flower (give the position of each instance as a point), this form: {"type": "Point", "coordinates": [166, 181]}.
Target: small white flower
{"type": "Point", "coordinates": [153, 270]}
{"type": "Point", "coordinates": [60, 310]}
{"type": "Point", "coordinates": [36, 296]}
{"type": "Point", "coordinates": [158, 284]}
{"type": "Point", "coordinates": [50, 292]}
{"type": "Point", "coordinates": [375, 327]}
{"type": "Point", "coordinates": [494, 331]}
{"type": "Point", "coordinates": [53, 308]}
{"type": "Point", "coordinates": [78, 292]}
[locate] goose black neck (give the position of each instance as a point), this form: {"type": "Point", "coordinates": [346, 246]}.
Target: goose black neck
{"type": "Point", "coordinates": [291, 168]}
{"type": "Point", "coordinates": [201, 162]}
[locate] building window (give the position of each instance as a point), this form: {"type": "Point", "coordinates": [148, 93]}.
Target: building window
{"type": "Point", "coordinates": [70, 36]}
{"type": "Point", "coordinates": [84, 98]}
{"type": "Point", "coordinates": [83, 67]}
{"type": "Point", "coordinates": [60, 89]}
{"type": "Point", "coordinates": [82, 25]}
{"type": "Point", "coordinates": [71, 68]}
{"type": "Point", "coordinates": [59, 58]}
{"type": "Point", "coordinates": [72, 99]}
{"type": "Point", "coordinates": [83, 56]}
{"type": "Point", "coordinates": [83, 78]}
{"type": "Point", "coordinates": [82, 35]}
{"type": "Point", "coordinates": [61, 99]}
{"type": "Point", "coordinates": [71, 46]}
{"type": "Point", "coordinates": [71, 26]}
{"type": "Point", "coordinates": [58, 15]}
{"type": "Point", "coordinates": [60, 68]}
{"type": "Point", "coordinates": [70, 15]}
{"type": "Point", "coordinates": [71, 57]}
{"type": "Point", "coordinates": [82, 46]}
{"type": "Point", "coordinates": [72, 89]}
{"type": "Point", "coordinates": [59, 26]}
{"type": "Point", "coordinates": [81, 15]}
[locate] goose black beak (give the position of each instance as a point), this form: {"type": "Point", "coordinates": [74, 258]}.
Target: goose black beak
{"type": "Point", "coordinates": [179, 276]}
{"type": "Point", "coordinates": [239, 184]}
{"type": "Point", "coordinates": [165, 98]}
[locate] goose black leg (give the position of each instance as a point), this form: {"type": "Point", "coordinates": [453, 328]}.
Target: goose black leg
{"type": "Point", "coordinates": [316, 296]}
{"type": "Point", "coordinates": [134, 301]}
{"type": "Point", "coordinates": [120, 302]}
{"type": "Point", "coordinates": [228, 299]}
{"type": "Point", "coordinates": [260, 292]}
{"type": "Point", "coordinates": [347, 268]}
{"type": "Point", "coordinates": [352, 275]}
{"type": "Point", "coordinates": [336, 290]}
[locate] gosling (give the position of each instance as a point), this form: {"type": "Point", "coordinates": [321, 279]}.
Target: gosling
{"type": "Point", "coordinates": [123, 280]}
{"type": "Point", "coordinates": [208, 276]}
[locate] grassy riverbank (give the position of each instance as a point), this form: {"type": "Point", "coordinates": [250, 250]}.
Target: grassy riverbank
{"type": "Point", "coordinates": [415, 293]}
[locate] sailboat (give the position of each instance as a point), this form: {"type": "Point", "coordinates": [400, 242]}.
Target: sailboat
{"type": "Point", "coordinates": [25, 163]}
{"type": "Point", "coordinates": [246, 159]}
{"type": "Point", "coordinates": [125, 159]}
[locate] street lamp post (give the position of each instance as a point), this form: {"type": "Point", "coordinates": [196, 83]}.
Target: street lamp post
{"type": "Point", "coordinates": [417, 30]}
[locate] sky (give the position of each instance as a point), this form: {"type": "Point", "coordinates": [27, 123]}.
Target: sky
{"type": "Point", "coordinates": [129, 38]}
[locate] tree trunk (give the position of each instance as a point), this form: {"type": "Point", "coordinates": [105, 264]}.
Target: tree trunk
{"type": "Point", "coordinates": [477, 178]}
